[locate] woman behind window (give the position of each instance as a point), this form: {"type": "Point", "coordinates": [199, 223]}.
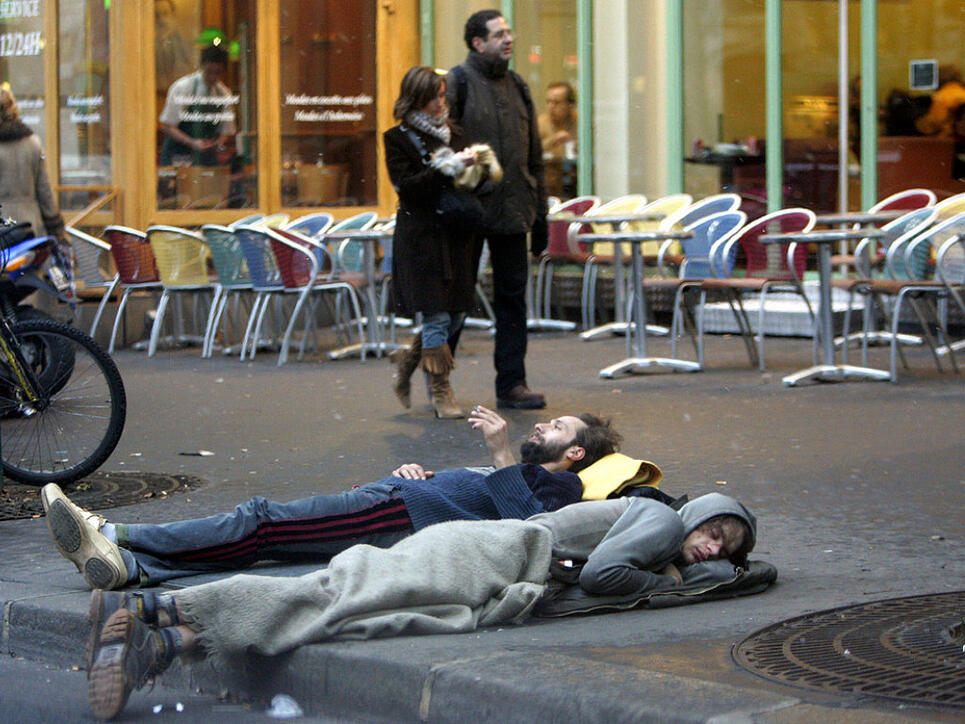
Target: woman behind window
{"type": "Point", "coordinates": [433, 264]}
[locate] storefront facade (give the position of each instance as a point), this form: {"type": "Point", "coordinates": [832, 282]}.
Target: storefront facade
{"type": "Point", "coordinates": [309, 84]}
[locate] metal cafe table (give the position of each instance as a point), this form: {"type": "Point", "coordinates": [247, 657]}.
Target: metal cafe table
{"type": "Point", "coordinates": [828, 370]}
{"type": "Point", "coordinates": [637, 359]}
{"type": "Point", "coordinates": [620, 324]}
{"type": "Point", "coordinates": [374, 324]}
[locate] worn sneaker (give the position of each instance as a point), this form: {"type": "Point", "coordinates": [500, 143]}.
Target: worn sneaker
{"type": "Point", "coordinates": [129, 654]}
{"type": "Point", "coordinates": [77, 535]}
{"type": "Point", "coordinates": [105, 603]}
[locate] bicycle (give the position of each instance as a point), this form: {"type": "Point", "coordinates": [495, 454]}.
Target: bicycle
{"type": "Point", "coordinates": [62, 399]}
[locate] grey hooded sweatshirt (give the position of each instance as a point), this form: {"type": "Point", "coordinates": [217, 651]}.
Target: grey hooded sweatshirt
{"type": "Point", "coordinates": [625, 541]}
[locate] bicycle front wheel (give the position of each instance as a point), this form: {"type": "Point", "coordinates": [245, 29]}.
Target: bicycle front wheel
{"type": "Point", "coordinates": [80, 423]}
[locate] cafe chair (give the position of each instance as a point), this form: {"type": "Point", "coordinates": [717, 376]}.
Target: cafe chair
{"type": "Point", "coordinates": [907, 200]}
{"type": "Point", "coordinates": [707, 206]}
{"type": "Point", "coordinates": [914, 277]}
{"type": "Point", "coordinates": [668, 207]}
{"type": "Point", "coordinates": [266, 282]}
{"type": "Point", "coordinates": [90, 256]}
{"type": "Point", "coordinates": [693, 266]}
{"type": "Point", "coordinates": [763, 269]}
{"type": "Point", "coordinates": [349, 253]}
{"type": "Point", "coordinates": [298, 257]}
{"type": "Point", "coordinates": [245, 220]}
{"type": "Point", "coordinates": [182, 263]}
{"type": "Point", "coordinates": [602, 253]}
{"type": "Point", "coordinates": [311, 224]}
{"type": "Point", "coordinates": [869, 256]}
{"type": "Point", "coordinates": [561, 249]}
{"type": "Point", "coordinates": [270, 221]}
{"type": "Point", "coordinates": [947, 208]}
{"type": "Point", "coordinates": [234, 280]}
{"type": "Point", "coordinates": [136, 268]}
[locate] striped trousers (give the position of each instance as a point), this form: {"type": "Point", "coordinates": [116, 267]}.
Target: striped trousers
{"type": "Point", "coordinates": [310, 530]}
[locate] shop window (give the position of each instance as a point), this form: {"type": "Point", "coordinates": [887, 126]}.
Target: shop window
{"type": "Point", "coordinates": [84, 96]}
{"type": "Point", "coordinates": [328, 91]}
{"type": "Point", "coordinates": [22, 46]}
{"type": "Point", "coordinates": [546, 57]}
{"type": "Point", "coordinates": [204, 60]}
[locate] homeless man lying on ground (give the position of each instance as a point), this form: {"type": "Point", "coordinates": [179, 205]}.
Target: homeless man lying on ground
{"type": "Point", "coordinates": [447, 578]}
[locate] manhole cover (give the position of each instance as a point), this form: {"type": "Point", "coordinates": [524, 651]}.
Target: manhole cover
{"type": "Point", "coordinates": [908, 649]}
{"type": "Point", "coordinates": [97, 491]}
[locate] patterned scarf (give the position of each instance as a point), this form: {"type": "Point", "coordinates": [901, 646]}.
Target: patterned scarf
{"type": "Point", "coordinates": [437, 126]}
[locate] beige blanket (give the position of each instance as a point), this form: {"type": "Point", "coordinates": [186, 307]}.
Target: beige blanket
{"type": "Point", "coordinates": [447, 578]}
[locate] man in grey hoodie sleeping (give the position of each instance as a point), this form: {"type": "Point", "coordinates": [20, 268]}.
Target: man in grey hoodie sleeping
{"type": "Point", "coordinates": [446, 578]}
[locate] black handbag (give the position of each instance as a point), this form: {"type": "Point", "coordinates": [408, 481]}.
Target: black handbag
{"type": "Point", "coordinates": [456, 208]}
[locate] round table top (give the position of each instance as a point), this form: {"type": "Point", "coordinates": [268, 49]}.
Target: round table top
{"type": "Point", "coordinates": [821, 235]}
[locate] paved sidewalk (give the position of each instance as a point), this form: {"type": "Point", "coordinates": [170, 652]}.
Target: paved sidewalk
{"type": "Point", "coordinates": [859, 489]}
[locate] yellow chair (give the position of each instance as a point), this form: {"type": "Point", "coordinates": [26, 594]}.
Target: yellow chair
{"type": "Point", "coordinates": [182, 263]}
{"type": "Point", "coordinates": [667, 208]}
{"type": "Point", "coordinates": [603, 253]}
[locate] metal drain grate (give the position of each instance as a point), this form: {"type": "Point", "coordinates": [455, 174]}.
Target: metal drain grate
{"type": "Point", "coordinates": [97, 491]}
{"type": "Point", "coordinates": [908, 649]}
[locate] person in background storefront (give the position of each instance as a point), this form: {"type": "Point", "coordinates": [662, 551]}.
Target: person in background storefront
{"type": "Point", "coordinates": [25, 193]}
{"type": "Point", "coordinates": [557, 132]}
{"type": "Point", "coordinates": [198, 115]}
{"type": "Point", "coordinates": [946, 101]}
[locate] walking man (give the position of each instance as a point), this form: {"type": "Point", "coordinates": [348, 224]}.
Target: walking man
{"type": "Point", "coordinates": [493, 105]}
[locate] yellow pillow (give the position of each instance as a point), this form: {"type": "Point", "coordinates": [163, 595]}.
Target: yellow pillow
{"type": "Point", "coordinates": [616, 472]}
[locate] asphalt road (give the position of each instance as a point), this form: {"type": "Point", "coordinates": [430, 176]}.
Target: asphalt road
{"type": "Point", "coordinates": [859, 488]}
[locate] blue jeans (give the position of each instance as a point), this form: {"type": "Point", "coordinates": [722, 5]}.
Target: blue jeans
{"type": "Point", "coordinates": [438, 326]}
{"type": "Point", "coordinates": [311, 529]}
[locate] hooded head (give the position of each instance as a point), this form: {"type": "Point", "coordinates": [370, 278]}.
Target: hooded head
{"type": "Point", "coordinates": [719, 513]}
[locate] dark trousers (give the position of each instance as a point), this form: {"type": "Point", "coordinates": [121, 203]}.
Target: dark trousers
{"type": "Point", "coordinates": [510, 267]}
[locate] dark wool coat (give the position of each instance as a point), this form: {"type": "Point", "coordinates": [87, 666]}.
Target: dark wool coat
{"type": "Point", "coordinates": [433, 267]}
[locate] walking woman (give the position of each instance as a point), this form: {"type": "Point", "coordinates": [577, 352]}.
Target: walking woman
{"type": "Point", "coordinates": [433, 262]}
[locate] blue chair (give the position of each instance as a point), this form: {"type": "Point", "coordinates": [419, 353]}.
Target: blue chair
{"type": "Point", "coordinates": [265, 281]}
{"type": "Point", "coordinates": [311, 224]}
{"type": "Point", "coordinates": [348, 253]}
{"type": "Point", "coordinates": [233, 278]}
{"type": "Point", "coordinates": [868, 258]}
{"type": "Point", "coordinates": [693, 267]}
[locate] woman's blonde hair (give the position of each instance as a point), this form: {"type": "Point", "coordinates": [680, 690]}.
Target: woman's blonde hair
{"type": "Point", "coordinates": [419, 86]}
{"type": "Point", "coordinates": [8, 104]}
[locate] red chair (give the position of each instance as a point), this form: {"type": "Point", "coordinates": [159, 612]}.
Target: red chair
{"type": "Point", "coordinates": [559, 250]}
{"type": "Point", "coordinates": [136, 268]}
{"type": "Point", "coordinates": [298, 258]}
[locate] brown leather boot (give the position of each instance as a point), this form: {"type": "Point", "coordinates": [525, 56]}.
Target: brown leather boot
{"type": "Point", "coordinates": [406, 360]}
{"type": "Point", "coordinates": [438, 362]}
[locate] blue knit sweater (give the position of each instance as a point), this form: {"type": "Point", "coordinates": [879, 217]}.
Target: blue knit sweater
{"type": "Point", "coordinates": [517, 491]}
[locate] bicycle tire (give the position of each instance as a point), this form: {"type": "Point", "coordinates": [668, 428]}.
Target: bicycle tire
{"type": "Point", "coordinates": [82, 423]}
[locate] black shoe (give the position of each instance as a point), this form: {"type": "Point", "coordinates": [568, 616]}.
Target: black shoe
{"type": "Point", "coordinates": [521, 398]}
{"type": "Point", "coordinates": [129, 654]}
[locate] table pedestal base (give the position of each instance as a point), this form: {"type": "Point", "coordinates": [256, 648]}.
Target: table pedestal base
{"type": "Point", "coordinates": [656, 330]}
{"type": "Point", "coordinates": [879, 337]}
{"type": "Point", "coordinates": [638, 364]}
{"type": "Point", "coordinates": [836, 373]}
{"type": "Point", "coordinates": [540, 324]}
{"type": "Point", "coordinates": [953, 347]}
